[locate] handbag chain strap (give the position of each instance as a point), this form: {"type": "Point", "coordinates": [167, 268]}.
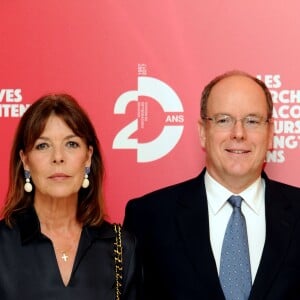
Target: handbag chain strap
{"type": "Point", "coordinates": [118, 251]}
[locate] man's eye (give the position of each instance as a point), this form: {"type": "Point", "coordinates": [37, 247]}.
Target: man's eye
{"type": "Point", "coordinates": [223, 120]}
{"type": "Point", "coordinates": [252, 121]}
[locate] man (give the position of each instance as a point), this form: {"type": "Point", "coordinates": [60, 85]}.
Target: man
{"type": "Point", "coordinates": [181, 228]}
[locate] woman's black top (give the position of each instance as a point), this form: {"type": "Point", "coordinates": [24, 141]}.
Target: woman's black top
{"type": "Point", "coordinates": [29, 269]}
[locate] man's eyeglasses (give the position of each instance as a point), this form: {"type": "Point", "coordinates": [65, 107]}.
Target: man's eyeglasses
{"type": "Point", "coordinates": [250, 122]}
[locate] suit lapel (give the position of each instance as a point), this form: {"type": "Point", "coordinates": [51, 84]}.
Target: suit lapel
{"type": "Point", "coordinates": [279, 227]}
{"type": "Point", "coordinates": [193, 225]}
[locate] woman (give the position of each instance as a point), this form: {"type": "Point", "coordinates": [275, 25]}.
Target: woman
{"type": "Point", "coordinates": [54, 240]}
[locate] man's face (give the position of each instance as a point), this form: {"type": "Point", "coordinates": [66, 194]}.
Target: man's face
{"type": "Point", "coordinates": [235, 154]}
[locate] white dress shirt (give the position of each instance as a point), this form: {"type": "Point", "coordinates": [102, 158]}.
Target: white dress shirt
{"type": "Point", "coordinates": [219, 212]}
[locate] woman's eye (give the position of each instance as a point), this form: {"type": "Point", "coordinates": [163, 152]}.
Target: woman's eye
{"type": "Point", "coordinates": [41, 146]}
{"type": "Point", "coordinates": [72, 144]}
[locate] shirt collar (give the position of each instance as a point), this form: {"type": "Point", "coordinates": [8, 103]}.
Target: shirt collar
{"type": "Point", "coordinates": [217, 194]}
{"type": "Point", "coordinates": [29, 227]}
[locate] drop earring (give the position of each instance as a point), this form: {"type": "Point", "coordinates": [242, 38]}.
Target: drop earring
{"type": "Point", "coordinates": [27, 185]}
{"type": "Point", "coordinates": [86, 181]}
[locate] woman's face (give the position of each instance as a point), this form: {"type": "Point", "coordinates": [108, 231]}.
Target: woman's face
{"type": "Point", "coordinates": [57, 161]}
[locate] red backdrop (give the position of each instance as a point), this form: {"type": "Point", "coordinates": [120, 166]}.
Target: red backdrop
{"type": "Point", "coordinates": [138, 67]}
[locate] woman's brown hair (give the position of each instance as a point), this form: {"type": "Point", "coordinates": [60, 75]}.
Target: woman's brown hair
{"type": "Point", "coordinates": [90, 200]}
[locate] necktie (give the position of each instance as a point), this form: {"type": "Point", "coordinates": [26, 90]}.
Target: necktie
{"type": "Point", "coordinates": [235, 272]}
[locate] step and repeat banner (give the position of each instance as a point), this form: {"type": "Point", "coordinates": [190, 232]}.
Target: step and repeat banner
{"type": "Point", "coordinates": [138, 68]}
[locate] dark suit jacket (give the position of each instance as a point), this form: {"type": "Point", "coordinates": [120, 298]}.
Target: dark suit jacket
{"type": "Point", "coordinates": [172, 228]}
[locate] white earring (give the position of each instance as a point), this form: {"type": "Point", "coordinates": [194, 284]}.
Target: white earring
{"type": "Point", "coordinates": [27, 185]}
{"type": "Point", "coordinates": [86, 181]}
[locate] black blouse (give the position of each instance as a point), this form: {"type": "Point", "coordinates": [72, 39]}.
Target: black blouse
{"type": "Point", "coordinates": [29, 269]}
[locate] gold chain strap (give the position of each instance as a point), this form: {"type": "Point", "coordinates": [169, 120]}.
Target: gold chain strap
{"type": "Point", "coordinates": [118, 260]}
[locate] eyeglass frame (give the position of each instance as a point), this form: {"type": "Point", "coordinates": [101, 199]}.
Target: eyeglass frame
{"type": "Point", "coordinates": [233, 121]}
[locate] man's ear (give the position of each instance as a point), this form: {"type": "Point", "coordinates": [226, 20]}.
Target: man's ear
{"type": "Point", "coordinates": [271, 134]}
{"type": "Point", "coordinates": [202, 132]}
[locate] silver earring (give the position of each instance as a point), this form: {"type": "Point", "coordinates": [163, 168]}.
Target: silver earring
{"type": "Point", "coordinates": [86, 181]}
{"type": "Point", "coordinates": [27, 185]}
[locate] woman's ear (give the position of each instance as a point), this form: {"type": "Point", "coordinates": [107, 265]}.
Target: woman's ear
{"type": "Point", "coordinates": [23, 158]}
{"type": "Point", "coordinates": [90, 154]}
